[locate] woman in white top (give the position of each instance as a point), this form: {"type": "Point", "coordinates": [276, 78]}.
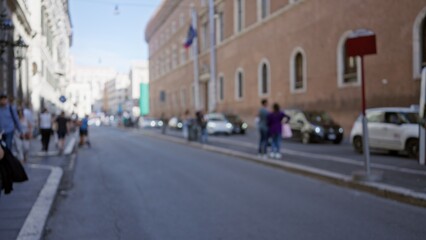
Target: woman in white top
{"type": "Point", "coordinates": [23, 144]}
{"type": "Point", "coordinates": [45, 129]}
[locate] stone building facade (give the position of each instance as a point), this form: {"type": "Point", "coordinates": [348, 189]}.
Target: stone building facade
{"type": "Point", "coordinates": [287, 51]}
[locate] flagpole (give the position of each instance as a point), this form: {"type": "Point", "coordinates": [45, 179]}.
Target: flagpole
{"type": "Point", "coordinates": [195, 58]}
{"type": "Point", "coordinates": [212, 84]}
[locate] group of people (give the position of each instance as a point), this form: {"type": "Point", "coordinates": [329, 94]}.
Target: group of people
{"type": "Point", "coordinates": [270, 124]}
{"type": "Point", "coordinates": [18, 126]}
{"type": "Point", "coordinates": [197, 126]}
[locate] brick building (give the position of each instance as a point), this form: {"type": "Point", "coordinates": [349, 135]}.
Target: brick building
{"type": "Point", "coordinates": [288, 51]}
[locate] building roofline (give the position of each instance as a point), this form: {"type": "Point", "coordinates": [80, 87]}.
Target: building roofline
{"type": "Point", "coordinates": [159, 17]}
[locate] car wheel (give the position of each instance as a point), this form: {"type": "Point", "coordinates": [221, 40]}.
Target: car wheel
{"type": "Point", "coordinates": [243, 132]}
{"type": "Point", "coordinates": [357, 144]}
{"type": "Point", "coordinates": [306, 138]}
{"type": "Point", "coordinates": [412, 148]}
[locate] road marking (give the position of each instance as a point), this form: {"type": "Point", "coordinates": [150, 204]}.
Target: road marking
{"type": "Point", "coordinates": [36, 220]}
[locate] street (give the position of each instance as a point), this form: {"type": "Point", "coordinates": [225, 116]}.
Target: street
{"type": "Point", "coordinates": [131, 186]}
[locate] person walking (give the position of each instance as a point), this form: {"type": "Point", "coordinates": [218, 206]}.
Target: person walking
{"type": "Point", "coordinates": [275, 121]}
{"type": "Point", "coordinates": [23, 143]}
{"type": "Point", "coordinates": [202, 126]}
{"type": "Point", "coordinates": [45, 129]}
{"type": "Point", "coordinates": [84, 131]}
{"type": "Point", "coordinates": [262, 125]}
{"type": "Point", "coordinates": [62, 130]}
{"type": "Point", "coordinates": [9, 122]}
{"type": "Point", "coordinates": [185, 128]}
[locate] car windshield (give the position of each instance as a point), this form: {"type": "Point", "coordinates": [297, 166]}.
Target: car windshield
{"type": "Point", "coordinates": [318, 117]}
{"type": "Point", "coordinates": [410, 117]}
{"type": "Point", "coordinates": [233, 118]}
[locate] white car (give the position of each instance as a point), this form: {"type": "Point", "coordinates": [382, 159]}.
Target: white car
{"type": "Point", "coordinates": [393, 129]}
{"type": "Point", "coordinates": [217, 123]}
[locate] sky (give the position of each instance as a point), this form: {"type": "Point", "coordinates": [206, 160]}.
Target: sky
{"type": "Point", "coordinates": [103, 38]}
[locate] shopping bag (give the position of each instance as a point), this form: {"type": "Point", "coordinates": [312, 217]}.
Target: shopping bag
{"type": "Point", "coordinates": [287, 133]}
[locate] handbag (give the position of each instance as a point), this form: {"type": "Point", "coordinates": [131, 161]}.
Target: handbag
{"type": "Point", "coordinates": [13, 166]}
{"type": "Point", "coordinates": [287, 133]}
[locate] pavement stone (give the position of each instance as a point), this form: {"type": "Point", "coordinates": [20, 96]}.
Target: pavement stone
{"type": "Point", "coordinates": [16, 206]}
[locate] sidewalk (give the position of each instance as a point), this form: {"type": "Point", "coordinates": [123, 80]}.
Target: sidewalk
{"type": "Point", "coordinates": [403, 180]}
{"type": "Point", "coordinates": [24, 211]}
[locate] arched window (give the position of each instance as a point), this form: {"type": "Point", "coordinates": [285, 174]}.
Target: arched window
{"type": "Point", "coordinates": [239, 15]}
{"type": "Point", "coordinates": [239, 84]}
{"type": "Point", "coordinates": [264, 77]}
{"type": "Point", "coordinates": [350, 68]}
{"type": "Point", "coordinates": [298, 71]}
{"type": "Point", "coordinates": [221, 88]}
{"type": "Point", "coordinates": [419, 44]}
{"type": "Point", "coordinates": [263, 9]}
{"type": "Point", "coordinates": [347, 67]}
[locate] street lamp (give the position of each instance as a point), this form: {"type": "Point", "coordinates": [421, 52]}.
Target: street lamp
{"type": "Point", "coordinates": [20, 50]}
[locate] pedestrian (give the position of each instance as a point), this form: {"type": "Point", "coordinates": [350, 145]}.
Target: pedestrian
{"type": "Point", "coordinates": [202, 126]}
{"type": "Point", "coordinates": [45, 127]}
{"type": "Point", "coordinates": [84, 131]}
{"type": "Point", "coordinates": [164, 120]}
{"type": "Point", "coordinates": [62, 130]}
{"type": "Point", "coordinates": [185, 127]}
{"type": "Point", "coordinates": [23, 143]}
{"type": "Point", "coordinates": [262, 125]}
{"type": "Point", "coordinates": [29, 115]}
{"type": "Point", "coordinates": [9, 122]}
{"type": "Point", "coordinates": [275, 122]}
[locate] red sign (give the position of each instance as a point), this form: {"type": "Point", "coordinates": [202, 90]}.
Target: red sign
{"type": "Point", "coordinates": [361, 46]}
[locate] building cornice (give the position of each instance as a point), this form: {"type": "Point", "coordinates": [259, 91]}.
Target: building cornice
{"type": "Point", "coordinates": [20, 8]}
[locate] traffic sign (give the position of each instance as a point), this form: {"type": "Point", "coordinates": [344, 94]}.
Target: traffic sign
{"type": "Point", "coordinates": [62, 99]}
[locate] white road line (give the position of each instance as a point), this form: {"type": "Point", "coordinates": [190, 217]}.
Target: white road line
{"type": "Point", "coordinates": [34, 223]}
{"type": "Point", "coordinates": [70, 146]}
{"type": "Point", "coordinates": [328, 158]}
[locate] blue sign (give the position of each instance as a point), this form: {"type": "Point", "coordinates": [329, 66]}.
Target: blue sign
{"type": "Point", "coordinates": [62, 99]}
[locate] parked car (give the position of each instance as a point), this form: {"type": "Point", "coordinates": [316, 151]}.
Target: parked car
{"type": "Point", "coordinates": [314, 126]}
{"type": "Point", "coordinates": [238, 125]}
{"type": "Point", "coordinates": [393, 129]}
{"type": "Point", "coordinates": [217, 123]}
{"type": "Point", "coordinates": [175, 123]}
{"type": "Point", "coordinates": [147, 122]}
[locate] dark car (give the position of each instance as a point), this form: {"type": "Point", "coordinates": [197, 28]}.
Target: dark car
{"type": "Point", "coordinates": [314, 126]}
{"type": "Point", "coordinates": [238, 125]}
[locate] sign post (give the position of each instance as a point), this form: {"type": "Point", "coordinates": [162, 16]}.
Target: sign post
{"type": "Point", "coordinates": [422, 114]}
{"type": "Point", "coordinates": [360, 43]}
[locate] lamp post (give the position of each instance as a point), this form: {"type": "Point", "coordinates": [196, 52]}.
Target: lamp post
{"type": "Point", "coordinates": [6, 28]}
{"type": "Point", "coordinates": [20, 51]}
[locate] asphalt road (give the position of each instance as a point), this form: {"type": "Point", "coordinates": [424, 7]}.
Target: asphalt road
{"type": "Point", "coordinates": [129, 186]}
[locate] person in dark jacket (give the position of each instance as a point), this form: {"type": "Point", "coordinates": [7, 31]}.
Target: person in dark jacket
{"type": "Point", "coordinates": [275, 121]}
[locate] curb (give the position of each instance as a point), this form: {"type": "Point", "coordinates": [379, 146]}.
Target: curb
{"type": "Point", "coordinates": [36, 220]}
{"type": "Point", "coordinates": [379, 189]}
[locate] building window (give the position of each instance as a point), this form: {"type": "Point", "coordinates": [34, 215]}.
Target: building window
{"type": "Point", "coordinates": [239, 84]}
{"type": "Point", "coordinates": [174, 57]}
{"type": "Point", "coordinates": [182, 56]}
{"type": "Point", "coordinates": [219, 27]}
{"type": "Point", "coordinates": [419, 44]}
{"type": "Point", "coordinates": [181, 19]}
{"type": "Point", "coordinates": [239, 15]}
{"type": "Point", "coordinates": [204, 36]}
{"type": "Point", "coordinates": [264, 77]}
{"type": "Point", "coordinates": [221, 88]}
{"type": "Point", "coordinates": [298, 73]}
{"type": "Point", "coordinates": [262, 9]}
{"type": "Point", "coordinates": [348, 67]}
